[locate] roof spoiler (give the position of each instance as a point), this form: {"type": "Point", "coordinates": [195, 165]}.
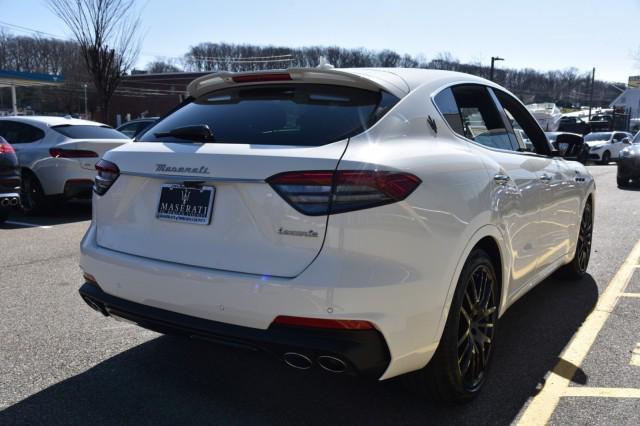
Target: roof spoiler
{"type": "Point", "coordinates": [364, 79]}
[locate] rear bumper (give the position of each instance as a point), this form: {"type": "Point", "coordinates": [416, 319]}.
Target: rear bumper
{"type": "Point", "coordinates": [364, 351]}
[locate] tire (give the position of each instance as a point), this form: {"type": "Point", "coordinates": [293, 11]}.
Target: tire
{"type": "Point", "coordinates": [458, 369]}
{"type": "Point", "coordinates": [622, 182]}
{"type": "Point", "coordinates": [606, 158]}
{"type": "Point", "coordinates": [32, 196]}
{"type": "Point", "coordinates": [577, 268]}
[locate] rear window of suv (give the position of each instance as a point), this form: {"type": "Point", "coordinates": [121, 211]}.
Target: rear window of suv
{"type": "Point", "coordinates": [294, 114]}
{"type": "Point", "coordinates": [89, 132]}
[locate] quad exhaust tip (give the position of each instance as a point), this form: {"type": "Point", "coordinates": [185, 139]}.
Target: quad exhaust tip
{"type": "Point", "coordinates": [9, 202]}
{"type": "Point", "coordinates": [332, 364]}
{"type": "Point", "coordinates": [326, 362]}
{"type": "Point", "coordinates": [296, 360]}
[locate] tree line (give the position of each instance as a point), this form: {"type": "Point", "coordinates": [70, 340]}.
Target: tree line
{"type": "Point", "coordinates": [565, 87]}
{"type": "Point", "coordinates": [52, 56]}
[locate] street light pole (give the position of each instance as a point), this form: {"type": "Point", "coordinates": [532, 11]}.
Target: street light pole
{"type": "Point", "coordinates": [593, 77]}
{"type": "Point", "coordinates": [493, 60]}
{"type": "Point", "coordinates": [86, 110]}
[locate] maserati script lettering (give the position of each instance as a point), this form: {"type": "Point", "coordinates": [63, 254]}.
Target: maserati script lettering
{"type": "Point", "coordinates": [309, 233]}
{"type": "Point", "coordinates": [202, 170]}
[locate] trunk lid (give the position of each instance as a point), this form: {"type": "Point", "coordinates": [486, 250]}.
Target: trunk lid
{"type": "Point", "coordinates": [252, 229]}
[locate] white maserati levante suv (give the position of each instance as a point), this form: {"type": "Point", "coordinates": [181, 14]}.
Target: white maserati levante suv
{"type": "Point", "coordinates": [363, 221]}
{"type": "Point", "coordinates": [57, 155]}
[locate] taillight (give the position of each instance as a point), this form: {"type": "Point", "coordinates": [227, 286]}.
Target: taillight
{"type": "Point", "coordinates": [322, 323]}
{"type": "Point", "coordinates": [108, 172]}
{"type": "Point", "coordinates": [72, 153]}
{"type": "Point", "coordinates": [5, 148]}
{"type": "Point", "coordinates": [253, 78]}
{"type": "Point", "coordinates": [317, 193]}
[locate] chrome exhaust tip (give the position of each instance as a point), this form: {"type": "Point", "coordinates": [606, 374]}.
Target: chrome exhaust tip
{"type": "Point", "coordinates": [332, 364]}
{"type": "Point", "coordinates": [298, 361]}
{"type": "Point", "coordinates": [13, 202]}
{"type": "Point", "coordinates": [4, 202]}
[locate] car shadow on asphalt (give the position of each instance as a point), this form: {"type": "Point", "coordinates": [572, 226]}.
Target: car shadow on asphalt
{"type": "Point", "coordinates": [171, 380]}
{"type": "Point", "coordinates": [59, 214]}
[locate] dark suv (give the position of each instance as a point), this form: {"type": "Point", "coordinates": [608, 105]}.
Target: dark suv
{"type": "Point", "coordinates": [574, 125]}
{"type": "Point", "coordinates": [9, 179]}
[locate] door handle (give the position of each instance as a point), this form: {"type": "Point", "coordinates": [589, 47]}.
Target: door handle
{"type": "Point", "coordinates": [501, 179]}
{"type": "Point", "coordinates": [546, 177]}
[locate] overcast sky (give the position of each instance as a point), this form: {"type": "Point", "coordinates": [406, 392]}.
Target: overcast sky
{"type": "Point", "coordinates": [539, 34]}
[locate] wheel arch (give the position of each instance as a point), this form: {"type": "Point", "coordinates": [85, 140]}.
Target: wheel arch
{"type": "Point", "coordinates": [490, 239]}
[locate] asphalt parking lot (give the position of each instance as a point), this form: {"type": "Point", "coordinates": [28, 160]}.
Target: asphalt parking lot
{"type": "Point", "coordinates": [63, 363]}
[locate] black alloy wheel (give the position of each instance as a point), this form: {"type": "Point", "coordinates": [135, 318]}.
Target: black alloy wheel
{"type": "Point", "coordinates": [583, 249]}
{"type": "Point", "coordinates": [576, 269]}
{"type": "Point", "coordinates": [476, 326]}
{"type": "Point", "coordinates": [32, 196]}
{"type": "Point", "coordinates": [459, 367]}
{"type": "Point", "coordinates": [606, 158]}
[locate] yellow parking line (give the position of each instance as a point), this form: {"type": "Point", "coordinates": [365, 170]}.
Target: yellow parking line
{"type": "Point", "coordinates": [544, 403]}
{"type": "Point", "coordinates": [602, 392]}
{"type": "Point", "coordinates": [635, 356]}
{"type": "Point", "coordinates": [632, 295]}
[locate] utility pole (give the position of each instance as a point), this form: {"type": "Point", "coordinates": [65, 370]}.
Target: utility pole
{"type": "Point", "coordinates": [493, 60]}
{"type": "Point", "coordinates": [593, 77]}
{"type": "Point", "coordinates": [86, 110]}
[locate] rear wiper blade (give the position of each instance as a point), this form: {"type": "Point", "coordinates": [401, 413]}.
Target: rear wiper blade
{"type": "Point", "coordinates": [198, 133]}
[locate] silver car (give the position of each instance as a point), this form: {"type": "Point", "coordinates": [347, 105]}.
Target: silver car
{"type": "Point", "coordinates": [57, 155]}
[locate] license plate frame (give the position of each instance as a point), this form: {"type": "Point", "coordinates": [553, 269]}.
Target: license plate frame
{"type": "Point", "coordinates": [175, 204]}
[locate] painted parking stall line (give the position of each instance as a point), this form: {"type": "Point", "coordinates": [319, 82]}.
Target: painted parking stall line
{"type": "Point", "coordinates": [635, 356]}
{"type": "Point", "coordinates": [556, 385]}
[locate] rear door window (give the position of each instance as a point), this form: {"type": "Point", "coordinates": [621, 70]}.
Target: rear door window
{"type": "Point", "coordinates": [478, 118]}
{"type": "Point", "coordinates": [293, 114]}
{"type": "Point", "coordinates": [89, 132]}
{"type": "Point", "coordinates": [17, 133]}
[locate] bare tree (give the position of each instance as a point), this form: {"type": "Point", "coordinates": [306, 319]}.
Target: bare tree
{"type": "Point", "coordinates": [163, 65]}
{"type": "Point", "coordinates": [107, 32]}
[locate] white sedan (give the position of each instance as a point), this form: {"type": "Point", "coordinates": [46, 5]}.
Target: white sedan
{"type": "Point", "coordinates": [57, 155]}
{"type": "Point", "coordinates": [606, 146]}
{"type": "Point", "coordinates": [375, 222]}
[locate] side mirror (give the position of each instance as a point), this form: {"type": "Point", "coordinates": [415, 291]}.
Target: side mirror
{"type": "Point", "coordinates": [570, 146]}
{"type": "Point", "coordinates": [626, 140]}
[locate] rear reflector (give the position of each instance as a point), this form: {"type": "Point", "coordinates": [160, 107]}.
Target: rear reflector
{"type": "Point", "coordinates": [5, 148]}
{"type": "Point", "coordinates": [108, 172]}
{"type": "Point", "coordinates": [282, 76]}
{"type": "Point", "coordinates": [89, 278]}
{"type": "Point", "coordinates": [10, 183]}
{"type": "Point", "coordinates": [317, 193]}
{"type": "Point", "coordinates": [72, 153]}
{"type": "Point", "coordinates": [322, 323]}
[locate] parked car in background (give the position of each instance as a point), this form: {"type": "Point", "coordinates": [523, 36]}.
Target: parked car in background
{"type": "Point", "coordinates": [570, 145]}
{"type": "Point", "coordinates": [136, 127]}
{"type": "Point", "coordinates": [574, 125]}
{"type": "Point", "coordinates": [629, 163]}
{"type": "Point", "coordinates": [9, 180]}
{"type": "Point", "coordinates": [605, 146]}
{"type": "Point", "coordinates": [601, 123]}
{"type": "Point", "coordinates": [374, 222]}
{"type": "Point", "coordinates": [57, 155]}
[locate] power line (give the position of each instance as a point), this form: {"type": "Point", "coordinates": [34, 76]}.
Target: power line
{"type": "Point", "coordinates": [27, 29]}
